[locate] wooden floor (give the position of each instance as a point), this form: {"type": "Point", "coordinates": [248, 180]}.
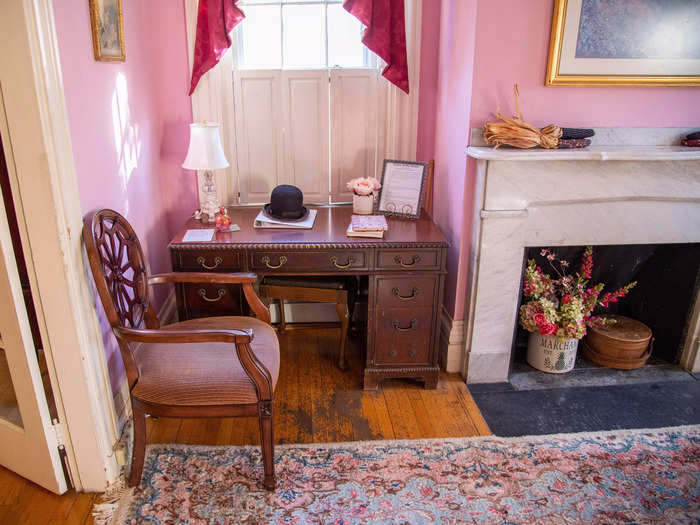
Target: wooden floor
{"type": "Point", "coordinates": [315, 402]}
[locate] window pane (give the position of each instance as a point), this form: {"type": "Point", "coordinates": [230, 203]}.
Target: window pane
{"type": "Point", "coordinates": [304, 43]}
{"type": "Point", "coordinates": [260, 38]}
{"type": "Point", "coordinates": [344, 34]}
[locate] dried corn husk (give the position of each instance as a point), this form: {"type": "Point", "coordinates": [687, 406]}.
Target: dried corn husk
{"type": "Point", "coordinates": [518, 133]}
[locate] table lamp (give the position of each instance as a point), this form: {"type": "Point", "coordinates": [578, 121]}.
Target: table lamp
{"type": "Point", "coordinates": [205, 153]}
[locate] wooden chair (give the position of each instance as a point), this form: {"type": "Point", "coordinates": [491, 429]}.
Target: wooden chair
{"type": "Point", "coordinates": [340, 291]}
{"type": "Point", "coordinates": [212, 367]}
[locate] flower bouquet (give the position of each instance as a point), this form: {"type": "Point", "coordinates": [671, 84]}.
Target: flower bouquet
{"type": "Point", "coordinates": [363, 189]}
{"type": "Point", "coordinates": [557, 311]}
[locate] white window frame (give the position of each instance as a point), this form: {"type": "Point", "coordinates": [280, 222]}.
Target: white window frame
{"type": "Point", "coordinates": [397, 113]}
{"type": "Point", "coordinates": [370, 60]}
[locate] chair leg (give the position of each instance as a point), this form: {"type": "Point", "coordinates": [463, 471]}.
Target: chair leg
{"type": "Point", "coordinates": [283, 326]}
{"type": "Point", "coordinates": [267, 443]}
{"type": "Point", "coordinates": [139, 449]}
{"type": "Point", "coordinates": [344, 314]}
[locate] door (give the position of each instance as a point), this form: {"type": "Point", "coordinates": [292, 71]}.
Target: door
{"type": "Point", "coordinates": [29, 444]}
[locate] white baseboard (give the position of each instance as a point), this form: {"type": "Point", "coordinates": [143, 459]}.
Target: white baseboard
{"type": "Point", "coordinates": [451, 342]}
{"type": "Point", "coordinates": [122, 407]}
{"type": "Point", "coordinates": [168, 312]}
{"type": "Point", "coordinates": [304, 313]}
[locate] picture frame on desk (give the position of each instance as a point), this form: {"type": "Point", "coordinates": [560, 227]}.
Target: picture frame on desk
{"type": "Point", "coordinates": [402, 192]}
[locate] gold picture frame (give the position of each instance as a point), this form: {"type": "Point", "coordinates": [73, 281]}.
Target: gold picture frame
{"type": "Point", "coordinates": [107, 24]}
{"type": "Point", "coordinates": [566, 68]}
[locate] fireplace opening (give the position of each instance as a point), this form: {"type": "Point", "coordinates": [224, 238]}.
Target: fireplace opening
{"type": "Point", "coordinates": [668, 280]}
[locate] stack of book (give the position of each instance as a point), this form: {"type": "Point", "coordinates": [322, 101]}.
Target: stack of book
{"type": "Point", "coordinates": [367, 226]}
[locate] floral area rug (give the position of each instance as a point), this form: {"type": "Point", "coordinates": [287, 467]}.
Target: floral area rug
{"type": "Point", "coordinates": [646, 476]}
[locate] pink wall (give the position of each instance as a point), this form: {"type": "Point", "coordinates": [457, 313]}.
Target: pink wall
{"type": "Point", "coordinates": [456, 54]}
{"type": "Point", "coordinates": [128, 125]}
{"type": "Point", "coordinates": [429, 62]}
{"type": "Point", "coordinates": [512, 44]}
{"type": "Point", "coordinates": [485, 47]}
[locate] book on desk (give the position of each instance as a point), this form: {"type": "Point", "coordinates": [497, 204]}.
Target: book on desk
{"type": "Point", "coordinates": [404, 272]}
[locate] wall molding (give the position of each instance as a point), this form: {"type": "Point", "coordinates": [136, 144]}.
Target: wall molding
{"type": "Point", "coordinates": [451, 342]}
{"type": "Point", "coordinates": [47, 185]}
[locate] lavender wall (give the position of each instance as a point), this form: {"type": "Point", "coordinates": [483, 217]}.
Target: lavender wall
{"type": "Point", "coordinates": [485, 47]}
{"type": "Point", "coordinates": [128, 124]}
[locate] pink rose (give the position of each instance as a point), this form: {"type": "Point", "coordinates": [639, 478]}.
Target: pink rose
{"type": "Point", "coordinates": [566, 298]}
{"type": "Point", "coordinates": [539, 319]}
{"type": "Point", "coordinates": [547, 328]}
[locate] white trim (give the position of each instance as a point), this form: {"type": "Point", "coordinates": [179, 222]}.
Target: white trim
{"type": "Point", "coordinates": [451, 342]}
{"type": "Point", "coordinates": [49, 196]}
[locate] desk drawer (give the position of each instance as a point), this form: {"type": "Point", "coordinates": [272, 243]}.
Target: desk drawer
{"type": "Point", "coordinates": [208, 260]}
{"type": "Point", "coordinates": [408, 259]}
{"type": "Point", "coordinates": [309, 261]}
{"type": "Point", "coordinates": [210, 300]}
{"type": "Point", "coordinates": [406, 292]}
{"type": "Point", "coordinates": [403, 336]}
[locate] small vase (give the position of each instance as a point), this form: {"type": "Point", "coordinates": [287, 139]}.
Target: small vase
{"type": "Point", "coordinates": [546, 353]}
{"type": "Point", "coordinates": [362, 204]}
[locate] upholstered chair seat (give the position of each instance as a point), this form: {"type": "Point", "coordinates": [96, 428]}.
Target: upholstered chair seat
{"type": "Point", "coordinates": [193, 374]}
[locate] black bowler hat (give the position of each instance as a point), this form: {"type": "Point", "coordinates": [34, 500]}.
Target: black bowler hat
{"type": "Point", "coordinates": [286, 203]}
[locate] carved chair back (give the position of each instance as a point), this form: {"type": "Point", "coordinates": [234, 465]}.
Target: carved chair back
{"type": "Point", "coordinates": [121, 277]}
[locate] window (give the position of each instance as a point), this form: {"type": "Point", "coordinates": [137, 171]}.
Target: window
{"type": "Point", "coordinates": [305, 97]}
{"type": "Point", "coordinates": [300, 34]}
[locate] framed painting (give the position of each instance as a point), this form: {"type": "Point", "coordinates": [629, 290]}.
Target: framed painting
{"type": "Point", "coordinates": [624, 43]}
{"type": "Point", "coordinates": [107, 30]}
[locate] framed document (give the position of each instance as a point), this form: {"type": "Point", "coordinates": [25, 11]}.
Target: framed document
{"type": "Point", "coordinates": [401, 193]}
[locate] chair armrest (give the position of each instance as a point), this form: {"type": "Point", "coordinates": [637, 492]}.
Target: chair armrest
{"type": "Point", "coordinates": [246, 279]}
{"type": "Point", "coordinates": [139, 335]}
{"type": "Point", "coordinates": [253, 367]}
{"type": "Point", "coordinates": [203, 277]}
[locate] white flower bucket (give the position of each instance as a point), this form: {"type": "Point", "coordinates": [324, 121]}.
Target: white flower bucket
{"type": "Point", "coordinates": [362, 204]}
{"type": "Point", "coordinates": [546, 353]}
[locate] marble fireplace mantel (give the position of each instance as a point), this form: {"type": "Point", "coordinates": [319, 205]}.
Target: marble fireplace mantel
{"type": "Point", "coordinates": [604, 194]}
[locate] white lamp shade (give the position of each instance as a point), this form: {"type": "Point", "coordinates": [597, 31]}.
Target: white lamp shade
{"type": "Point", "coordinates": [205, 151]}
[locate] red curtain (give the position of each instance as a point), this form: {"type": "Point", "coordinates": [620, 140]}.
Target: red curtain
{"type": "Point", "coordinates": [215, 21]}
{"type": "Point", "coordinates": [385, 35]}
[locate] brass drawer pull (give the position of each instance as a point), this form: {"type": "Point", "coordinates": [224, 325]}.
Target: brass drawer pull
{"type": "Point", "coordinates": [334, 260]}
{"type": "Point", "coordinates": [399, 260]}
{"type": "Point", "coordinates": [412, 352]}
{"type": "Point", "coordinates": [411, 326]}
{"type": "Point", "coordinates": [397, 294]}
{"type": "Point", "coordinates": [266, 260]}
{"type": "Point", "coordinates": [392, 352]}
{"type": "Point", "coordinates": [219, 294]}
{"type": "Point", "coordinates": [203, 263]}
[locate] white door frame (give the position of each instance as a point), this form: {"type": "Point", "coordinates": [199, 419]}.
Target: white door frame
{"type": "Point", "coordinates": [48, 200]}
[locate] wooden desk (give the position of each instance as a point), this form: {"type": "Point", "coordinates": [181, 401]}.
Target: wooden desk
{"type": "Point", "coordinates": [406, 273]}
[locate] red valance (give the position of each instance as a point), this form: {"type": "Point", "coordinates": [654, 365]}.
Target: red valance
{"type": "Point", "coordinates": [215, 21]}
{"type": "Point", "coordinates": [385, 35]}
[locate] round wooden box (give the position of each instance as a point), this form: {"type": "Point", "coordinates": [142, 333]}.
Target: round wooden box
{"type": "Point", "coordinates": [625, 344]}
